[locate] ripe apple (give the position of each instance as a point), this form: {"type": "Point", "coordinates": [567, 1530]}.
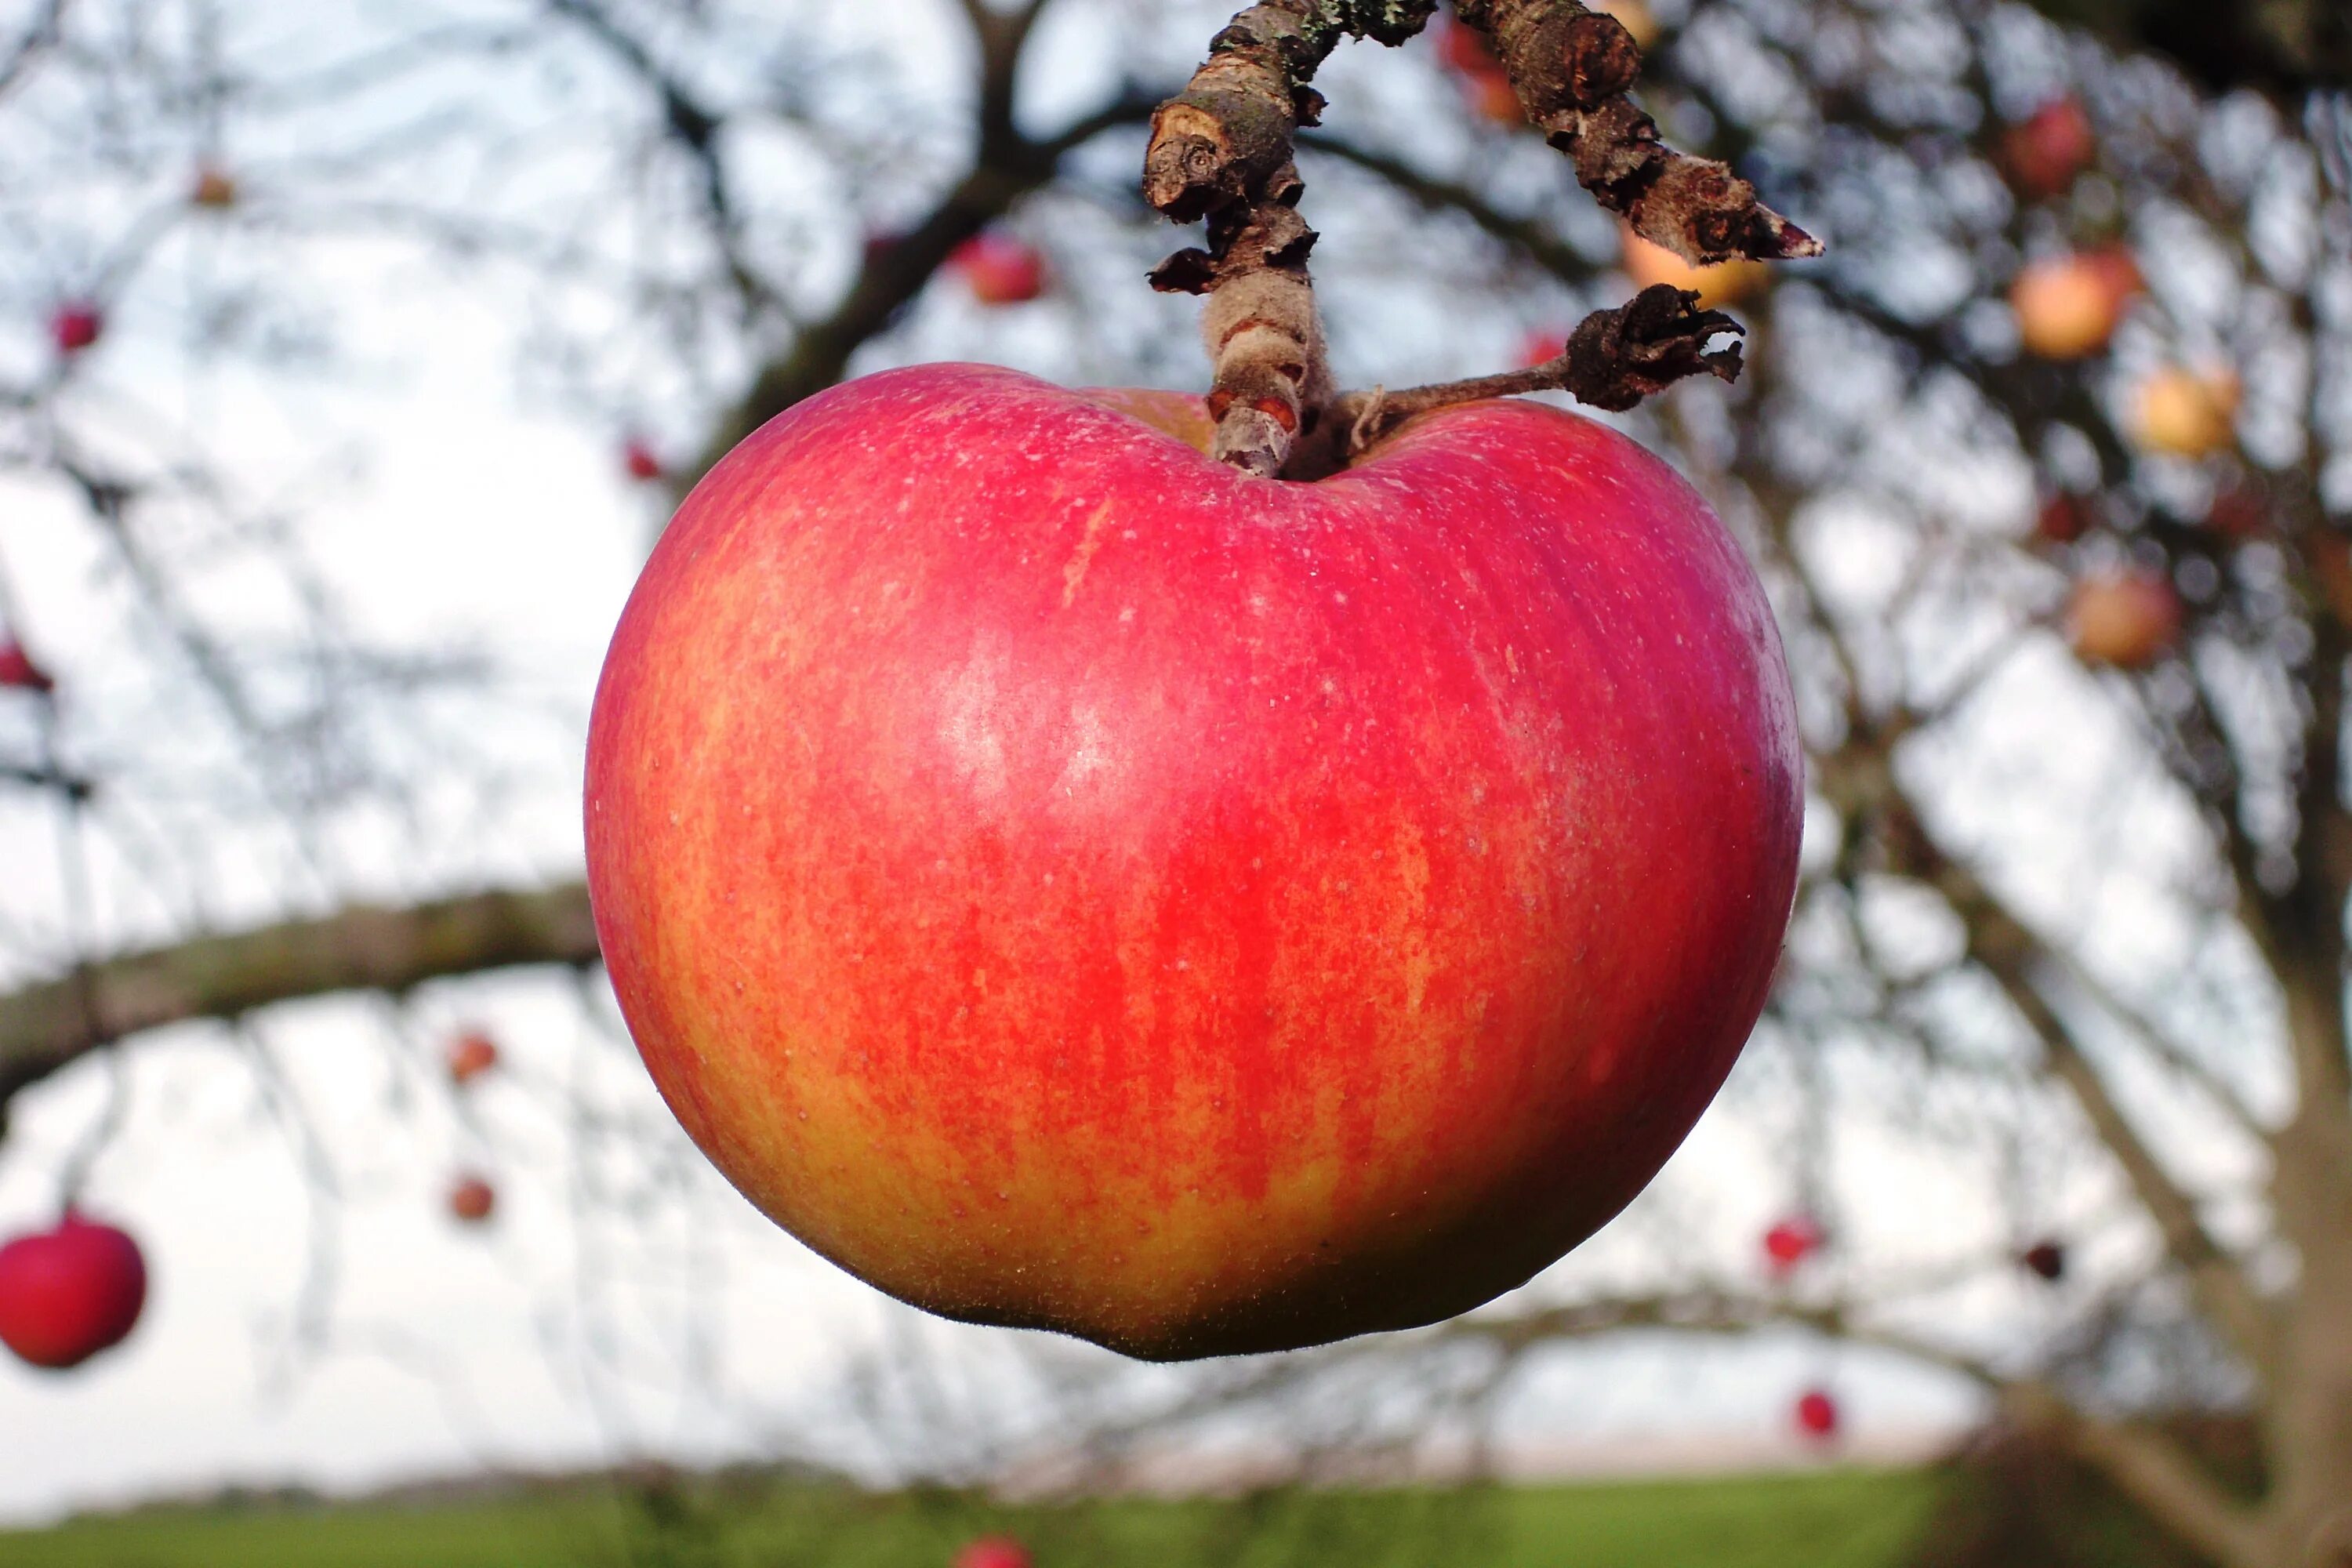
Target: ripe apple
{"type": "Point", "coordinates": [2046, 151]}
{"type": "Point", "coordinates": [1466, 51]}
{"type": "Point", "coordinates": [215, 189]}
{"type": "Point", "coordinates": [1493, 98]}
{"type": "Point", "coordinates": [1817, 1415]}
{"type": "Point", "coordinates": [1718, 286]}
{"type": "Point", "coordinates": [1541, 348]}
{"type": "Point", "coordinates": [2068, 307]}
{"type": "Point", "coordinates": [2046, 1260]}
{"type": "Point", "coordinates": [69, 1293]}
{"type": "Point", "coordinates": [1790, 1241]}
{"type": "Point", "coordinates": [2125, 618]}
{"type": "Point", "coordinates": [77, 326]}
{"type": "Point", "coordinates": [2183, 413]}
{"type": "Point", "coordinates": [2065, 517]}
{"type": "Point", "coordinates": [18, 672]}
{"type": "Point", "coordinates": [999, 268]}
{"type": "Point", "coordinates": [472, 1199]}
{"type": "Point", "coordinates": [640, 461]}
{"type": "Point", "coordinates": [1071, 883]}
{"type": "Point", "coordinates": [995, 1551]}
{"type": "Point", "coordinates": [470, 1055]}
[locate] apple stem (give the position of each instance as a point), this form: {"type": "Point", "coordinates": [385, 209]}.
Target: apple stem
{"type": "Point", "coordinates": [1573, 68]}
{"type": "Point", "coordinates": [1222, 149]}
{"type": "Point", "coordinates": [1613, 360]}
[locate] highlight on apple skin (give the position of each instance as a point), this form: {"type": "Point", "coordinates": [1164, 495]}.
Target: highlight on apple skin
{"type": "Point", "coordinates": [1072, 884]}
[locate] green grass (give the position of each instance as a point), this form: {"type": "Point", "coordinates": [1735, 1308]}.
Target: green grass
{"type": "Point", "coordinates": [1838, 1520]}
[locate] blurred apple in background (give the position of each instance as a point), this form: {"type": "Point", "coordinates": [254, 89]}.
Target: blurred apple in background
{"type": "Point", "coordinates": [999, 269]}
{"type": "Point", "coordinates": [19, 673]}
{"type": "Point", "coordinates": [995, 1551]}
{"type": "Point", "coordinates": [1718, 286]}
{"type": "Point", "coordinates": [67, 1293]}
{"type": "Point", "coordinates": [2127, 618]}
{"type": "Point", "coordinates": [471, 1053]}
{"type": "Point", "coordinates": [2046, 153]}
{"type": "Point", "coordinates": [75, 326]}
{"type": "Point", "coordinates": [472, 1199]}
{"type": "Point", "coordinates": [2068, 307]}
{"type": "Point", "coordinates": [2185, 413]}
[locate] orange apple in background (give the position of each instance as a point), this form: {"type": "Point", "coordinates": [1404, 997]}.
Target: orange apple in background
{"type": "Point", "coordinates": [1072, 884]}
{"type": "Point", "coordinates": [2184, 413]}
{"type": "Point", "coordinates": [471, 1054]}
{"type": "Point", "coordinates": [1635, 17]}
{"type": "Point", "coordinates": [215, 189]}
{"type": "Point", "coordinates": [472, 1199]}
{"type": "Point", "coordinates": [999, 269]}
{"type": "Point", "coordinates": [2050, 149]}
{"type": "Point", "coordinates": [2068, 307]}
{"type": "Point", "coordinates": [2126, 619]}
{"type": "Point", "coordinates": [1720, 287]}
{"type": "Point", "coordinates": [1493, 98]}
{"type": "Point", "coordinates": [70, 1292]}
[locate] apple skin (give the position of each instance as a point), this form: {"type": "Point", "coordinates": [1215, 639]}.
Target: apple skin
{"type": "Point", "coordinates": [69, 1293]}
{"type": "Point", "coordinates": [1072, 884]}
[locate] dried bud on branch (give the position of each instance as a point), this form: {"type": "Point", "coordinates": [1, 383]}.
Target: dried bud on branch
{"type": "Point", "coordinates": [1572, 67]}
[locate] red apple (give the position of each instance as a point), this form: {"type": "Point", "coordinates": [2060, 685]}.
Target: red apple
{"type": "Point", "coordinates": [1817, 1415]}
{"type": "Point", "coordinates": [640, 461]}
{"type": "Point", "coordinates": [18, 672]}
{"type": "Point", "coordinates": [69, 1293]}
{"type": "Point", "coordinates": [995, 1551]}
{"type": "Point", "coordinates": [2053, 146]}
{"type": "Point", "coordinates": [1071, 883]}
{"type": "Point", "coordinates": [2045, 1259]}
{"type": "Point", "coordinates": [1493, 98]}
{"type": "Point", "coordinates": [1465, 50]}
{"type": "Point", "coordinates": [2125, 618]}
{"type": "Point", "coordinates": [470, 1055]}
{"type": "Point", "coordinates": [472, 1199]}
{"type": "Point", "coordinates": [999, 268]}
{"type": "Point", "coordinates": [75, 327]}
{"type": "Point", "coordinates": [1541, 348]}
{"type": "Point", "coordinates": [2064, 519]}
{"type": "Point", "coordinates": [1790, 1241]}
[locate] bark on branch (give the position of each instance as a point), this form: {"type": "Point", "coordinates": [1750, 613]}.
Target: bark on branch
{"type": "Point", "coordinates": [46, 1026]}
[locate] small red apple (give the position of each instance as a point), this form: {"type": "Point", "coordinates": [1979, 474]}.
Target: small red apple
{"type": "Point", "coordinates": [215, 189]}
{"type": "Point", "coordinates": [2065, 517]}
{"type": "Point", "coordinates": [1540, 348]}
{"type": "Point", "coordinates": [2241, 511]}
{"type": "Point", "coordinates": [1071, 883]}
{"type": "Point", "coordinates": [69, 1293]}
{"type": "Point", "coordinates": [1817, 1415]}
{"type": "Point", "coordinates": [2128, 619]}
{"type": "Point", "coordinates": [999, 269]}
{"type": "Point", "coordinates": [640, 461]}
{"type": "Point", "coordinates": [472, 1199]}
{"type": "Point", "coordinates": [2046, 1260]}
{"type": "Point", "coordinates": [2068, 307]}
{"type": "Point", "coordinates": [1463, 49]}
{"type": "Point", "coordinates": [470, 1055]}
{"type": "Point", "coordinates": [2053, 146]}
{"type": "Point", "coordinates": [76, 326]}
{"type": "Point", "coordinates": [1792, 1241]}
{"type": "Point", "coordinates": [995, 1551]}
{"type": "Point", "coordinates": [19, 673]}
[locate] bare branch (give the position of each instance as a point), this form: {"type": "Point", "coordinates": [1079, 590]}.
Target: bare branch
{"type": "Point", "coordinates": [2153, 1472]}
{"type": "Point", "coordinates": [45, 1026]}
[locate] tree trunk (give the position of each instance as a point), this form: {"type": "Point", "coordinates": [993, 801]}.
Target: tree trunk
{"type": "Point", "coordinates": [2310, 1421]}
